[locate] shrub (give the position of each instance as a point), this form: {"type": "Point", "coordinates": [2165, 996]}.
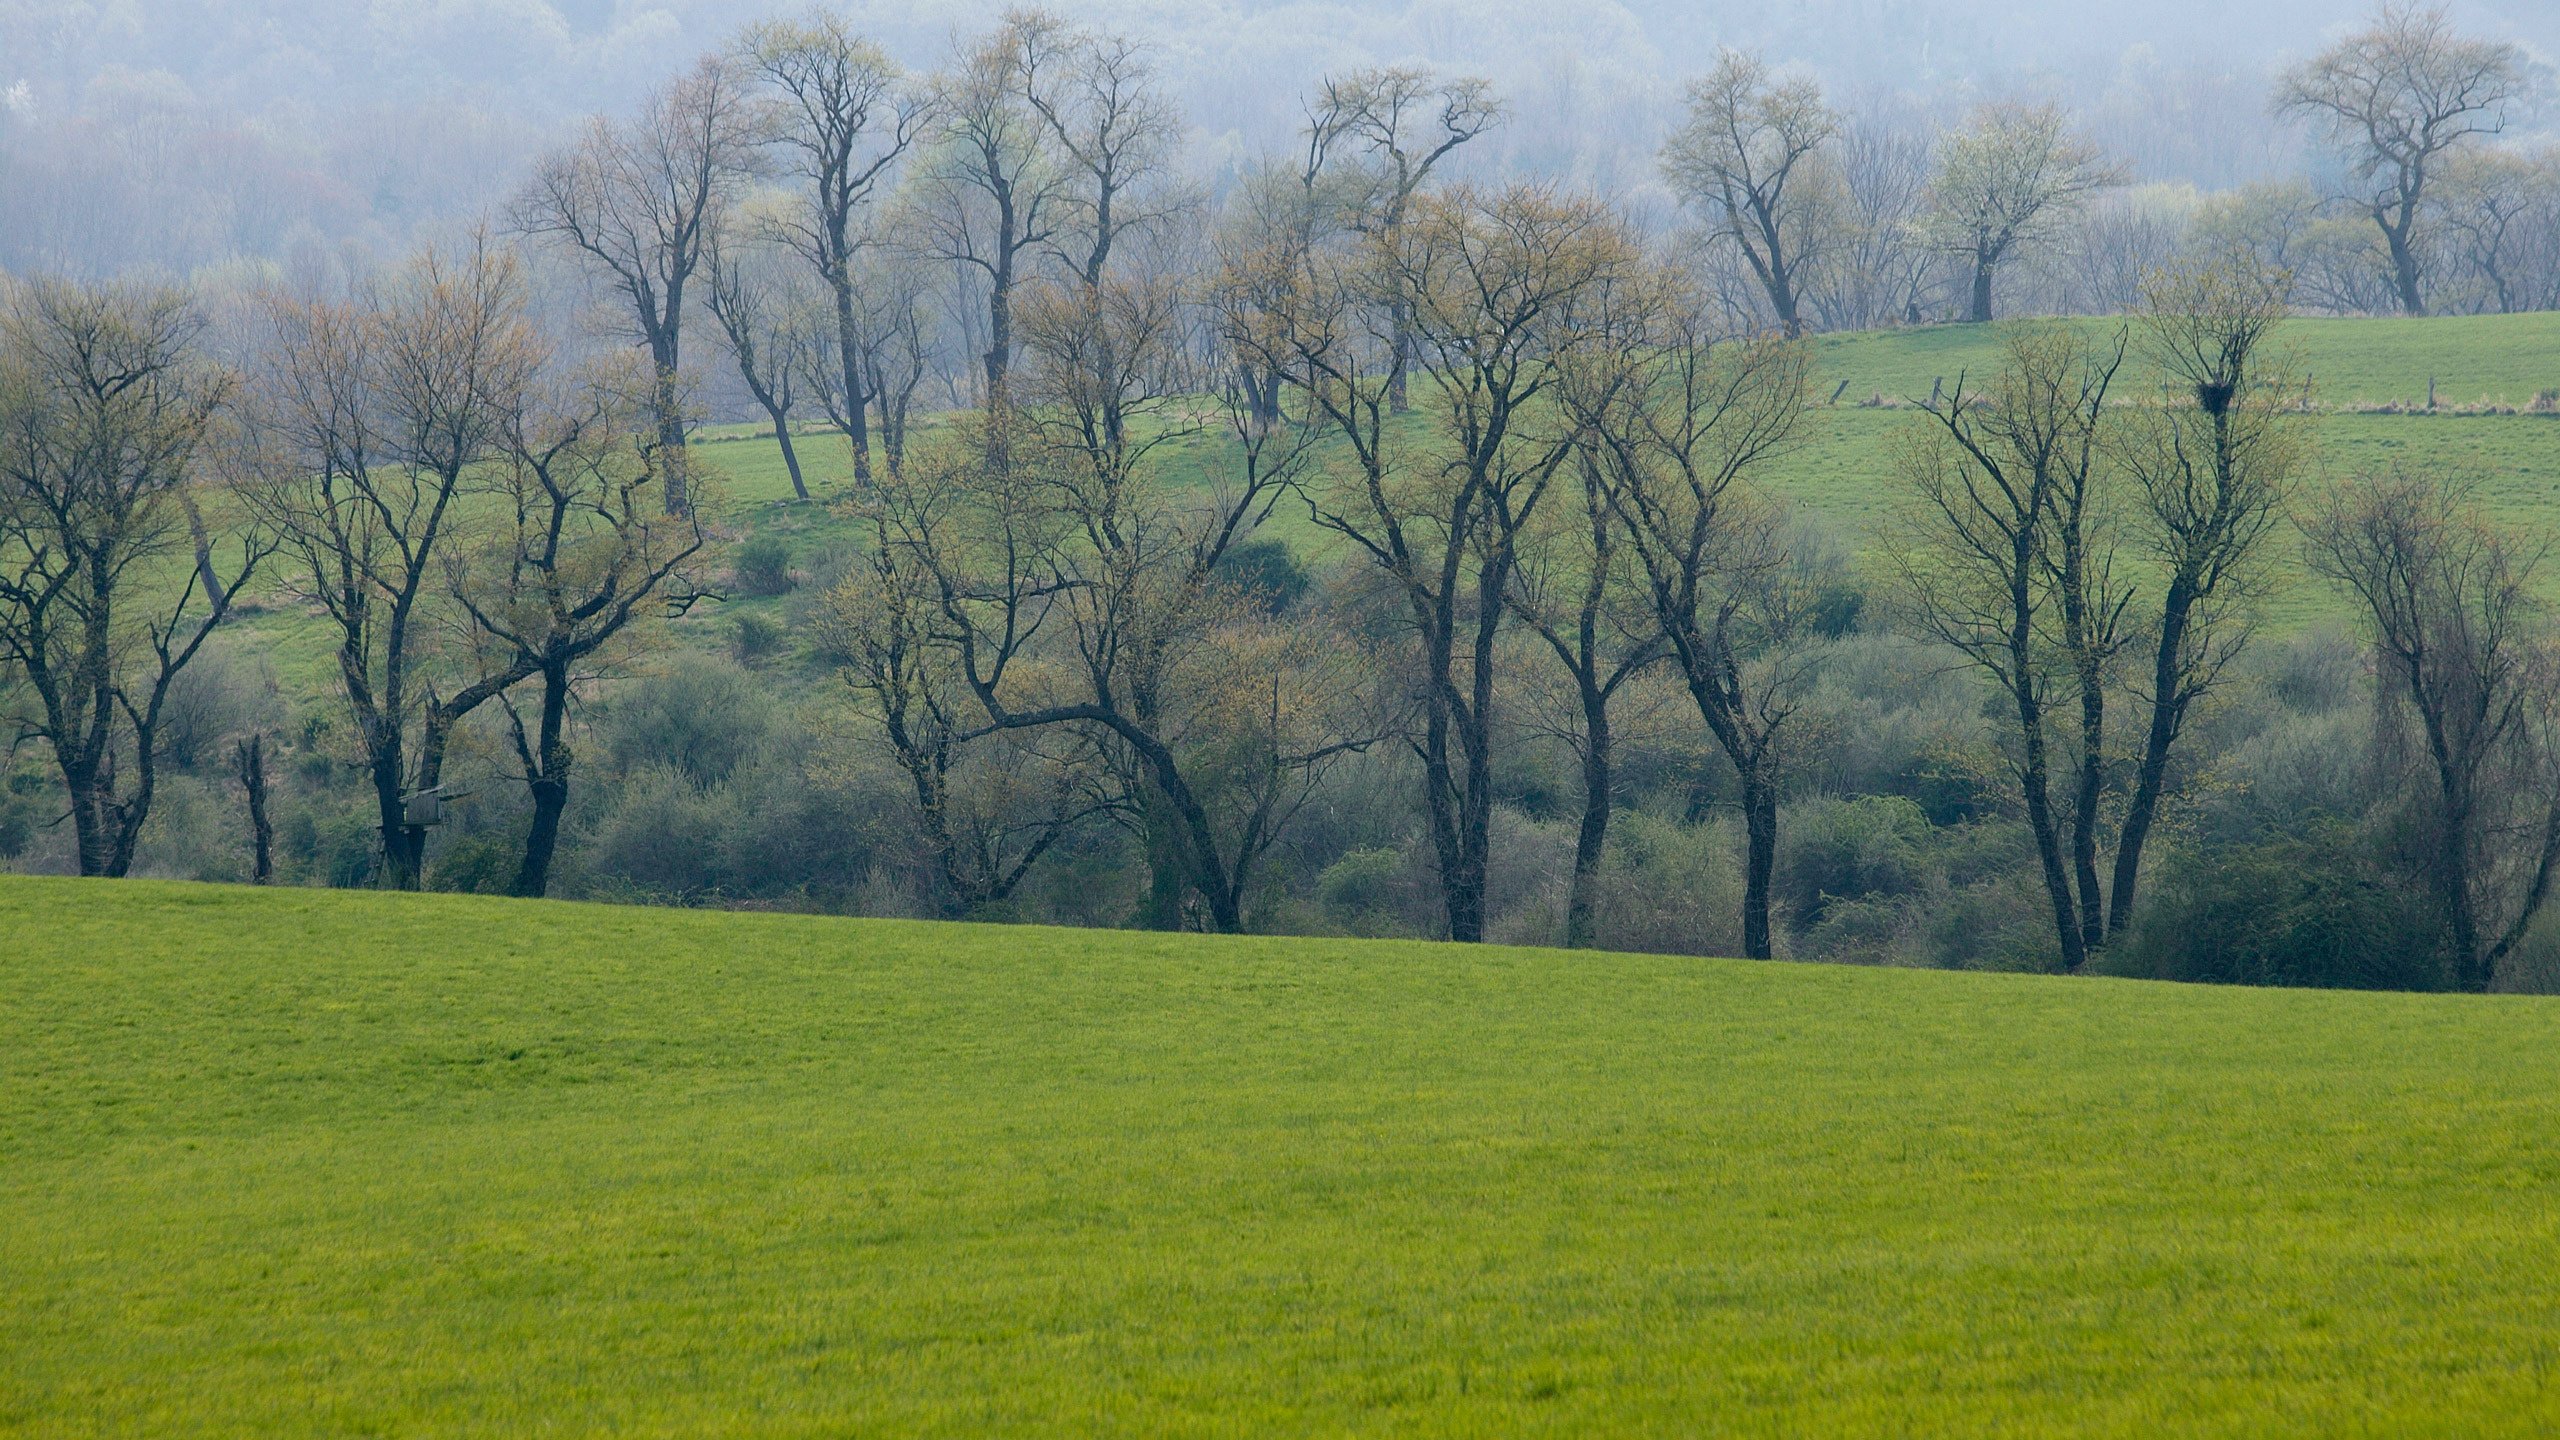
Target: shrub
{"type": "Point", "coordinates": [2300, 772]}
{"type": "Point", "coordinates": [2313, 911]}
{"type": "Point", "coordinates": [1855, 849]}
{"type": "Point", "coordinates": [1266, 570]}
{"type": "Point", "coordinates": [761, 566]}
{"type": "Point", "coordinates": [1364, 890]}
{"type": "Point", "coordinates": [482, 864]}
{"type": "Point", "coordinates": [1670, 889]}
{"type": "Point", "coordinates": [22, 792]}
{"type": "Point", "coordinates": [700, 717]}
{"type": "Point", "coordinates": [662, 836]}
{"type": "Point", "coordinates": [2001, 923]}
{"type": "Point", "coordinates": [213, 699]}
{"type": "Point", "coordinates": [757, 637]}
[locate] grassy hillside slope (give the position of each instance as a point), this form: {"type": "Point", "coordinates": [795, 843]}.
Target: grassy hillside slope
{"type": "Point", "coordinates": [1841, 475]}
{"type": "Point", "coordinates": [292, 1163]}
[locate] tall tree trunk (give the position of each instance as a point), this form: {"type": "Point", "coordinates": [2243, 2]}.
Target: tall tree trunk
{"type": "Point", "coordinates": [1399, 398]}
{"type": "Point", "coordinates": [1593, 840]}
{"type": "Point", "coordinates": [791, 455]}
{"type": "Point", "coordinates": [401, 860]}
{"type": "Point", "coordinates": [205, 575]}
{"type": "Point", "coordinates": [2453, 863]}
{"type": "Point", "coordinates": [2035, 782]}
{"type": "Point", "coordinates": [1169, 864]}
{"type": "Point", "coordinates": [857, 400]}
{"type": "Point", "coordinates": [548, 786]}
{"type": "Point", "coordinates": [671, 443]}
{"type": "Point", "coordinates": [80, 783]}
{"type": "Point", "coordinates": [999, 357]}
{"type": "Point", "coordinates": [1782, 295]}
{"type": "Point", "coordinates": [1759, 859]}
{"type": "Point", "coordinates": [1455, 844]}
{"type": "Point", "coordinates": [1980, 314]}
{"type": "Point", "coordinates": [2404, 263]}
{"type": "Point", "coordinates": [2091, 780]}
{"type": "Point", "coordinates": [249, 759]}
{"type": "Point", "coordinates": [2168, 716]}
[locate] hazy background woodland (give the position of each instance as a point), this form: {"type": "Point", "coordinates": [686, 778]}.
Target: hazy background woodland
{"type": "Point", "coordinates": [189, 133]}
{"type": "Point", "coordinates": [1483, 471]}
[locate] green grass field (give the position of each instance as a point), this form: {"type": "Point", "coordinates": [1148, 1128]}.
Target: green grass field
{"type": "Point", "coordinates": [1842, 474]}
{"type": "Point", "coordinates": [302, 1163]}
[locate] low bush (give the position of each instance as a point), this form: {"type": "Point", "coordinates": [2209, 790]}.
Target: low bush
{"type": "Point", "coordinates": [2317, 910]}
{"type": "Point", "coordinates": [761, 566]}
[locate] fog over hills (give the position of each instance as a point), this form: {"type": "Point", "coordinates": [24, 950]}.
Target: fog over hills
{"type": "Point", "coordinates": [236, 123]}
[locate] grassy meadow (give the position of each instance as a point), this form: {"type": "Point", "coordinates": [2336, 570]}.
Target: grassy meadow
{"type": "Point", "coordinates": [335, 1164]}
{"type": "Point", "coordinates": [1842, 475]}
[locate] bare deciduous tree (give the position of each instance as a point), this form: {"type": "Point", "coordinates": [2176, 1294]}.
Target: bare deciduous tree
{"type": "Point", "coordinates": [372, 414]}
{"type": "Point", "coordinates": [1486, 288]}
{"type": "Point", "coordinates": [2397, 98]}
{"type": "Point", "coordinates": [1112, 130]}
{"type": "Point", "coordinates": [2125, 238]}
{"type": "Point", "coordinates": [989, 805]}
{"type": "Point", "coordinates": [1575, 584]}
{"type": "Point", "coordinates": [767, 321]}
{"type": "Point", "coordinates": [845, 118]}
{"type": "Point", "coordinates": [900, 339]}
{"type": "Point", "coordinates": [1678, 424]}
{"type": "Point", "coordinates": [1880, 272]}
{"type": "Point", "coordinates": [2008, 180]}
{"type": "Point", "coordinates": [1065, 602]}
{"type": "Point", "coordinates": [2501, 212]}
{"type": "Point", "coordinates": [1400, 122]}
{"type": "Point", "coordinates": [2005, 554]}
{"type": "Point", "coordinates": [2212, 466]}
{"type": "Point", "coordinates": [106, 407]}
{"type": "Point", "coordinates": [572, 565]}
{"type": "Point", "coordinates": [2463, 645]}
{"type": "Point", "coordinates": [989, 193]}
{"type": "Point", "coordinates": [1749, 157]}
{"type": "Point", "coordinates": [641, 201]}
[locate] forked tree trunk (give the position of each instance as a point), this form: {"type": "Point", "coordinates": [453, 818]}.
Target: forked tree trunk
{"type": "Point", "coordinates": [548, 785]}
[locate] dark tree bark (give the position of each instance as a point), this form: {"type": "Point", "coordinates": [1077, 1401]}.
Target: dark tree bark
{"type": "Point", "coordinates": [249, 763]}
{"type": "Point", "coordinates": [547, 759]}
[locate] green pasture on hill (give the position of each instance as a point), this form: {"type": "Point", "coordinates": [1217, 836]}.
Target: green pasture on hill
{"type": "Point", "coordinates": [293, 1163]}
{"type": "Point", "coordinates": [1841, 475]}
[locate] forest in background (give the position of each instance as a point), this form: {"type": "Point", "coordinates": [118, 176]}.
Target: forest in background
{"type": "Point", "coordinates": [188, 134]}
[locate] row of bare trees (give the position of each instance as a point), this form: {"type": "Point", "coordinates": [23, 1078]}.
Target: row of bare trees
{"type": "Point", "coordinates": [1576, 470]}
{"type": "Point", "coordinates": [1049, 627]}
{"type": "Point", "coordinates": [465, 513]}
{"type": "Point", "coordinates": [825, 205]}
{"type": "Point", "coordinates": [853, 230]}
{"type": "Point", "coordinates": [1833, 215]}
{"type": "Point", "coordinates": [1529, 438]}
{"type": "Point", "coordinates": [1552, 354]}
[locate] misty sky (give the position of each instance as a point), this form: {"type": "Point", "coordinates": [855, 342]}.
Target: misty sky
{"type": "Point", "coordinates": [177, 132]}
{"type": "Point", "coordinates": [1231, 57]}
